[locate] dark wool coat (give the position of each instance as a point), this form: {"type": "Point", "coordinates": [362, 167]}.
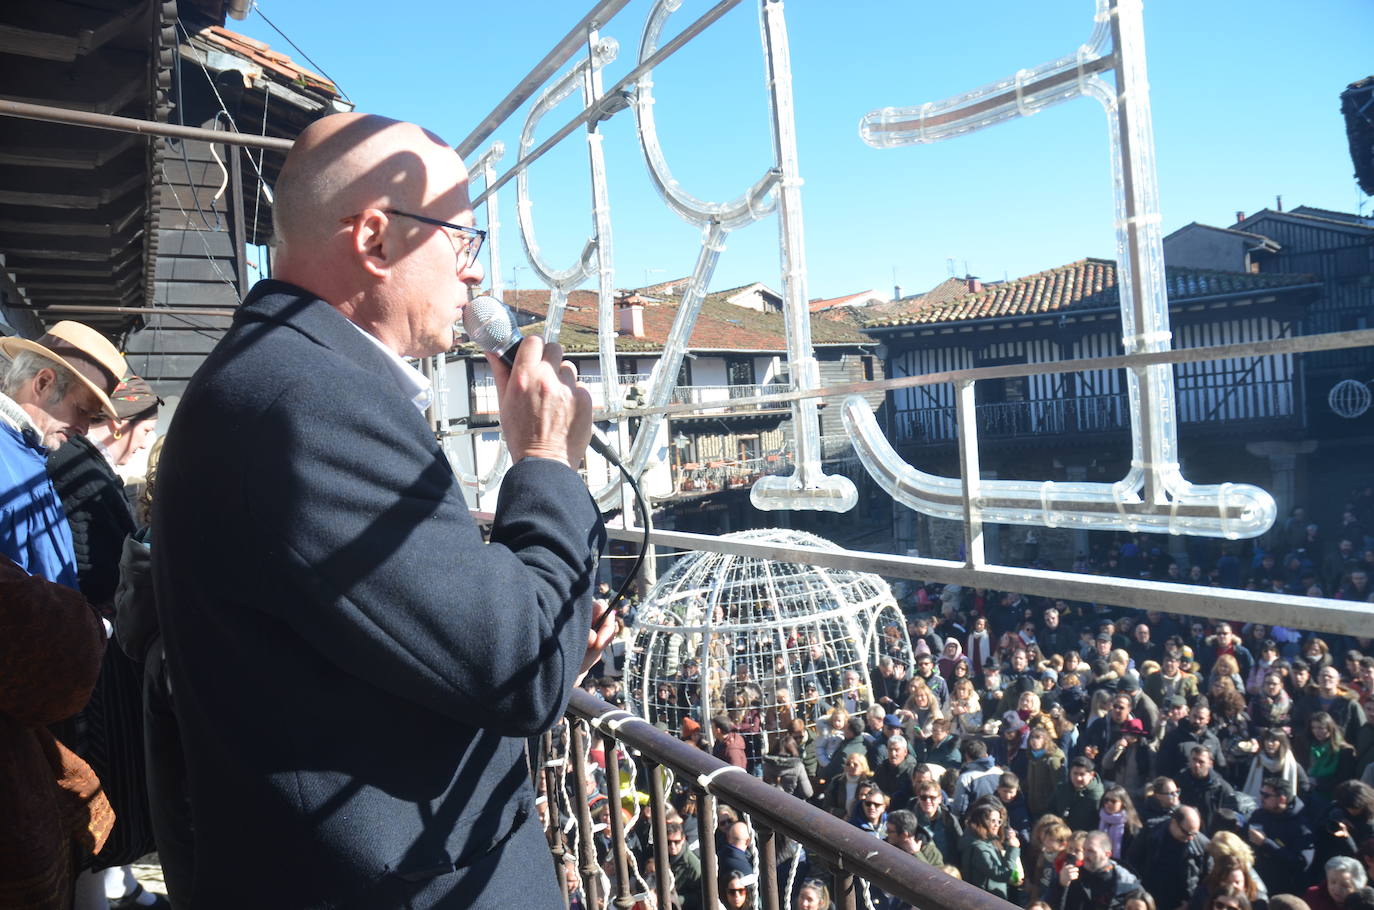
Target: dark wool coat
{"type": "Point", "coordinates": [355, 670]}
{"type": "Point", "coordinates": [93, 498]}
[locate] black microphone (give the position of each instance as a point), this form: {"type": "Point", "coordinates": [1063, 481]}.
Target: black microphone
{"type": "Point", "coordinates": [490, 324]}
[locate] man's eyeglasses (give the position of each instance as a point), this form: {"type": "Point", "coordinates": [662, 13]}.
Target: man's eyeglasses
{"type": "Point", "coordinates": [929, 798]}
{"type": "Point", "coordinates": [470, 238]}
{"type": "Point", "coordinates": [466, 245]}
{"type": "Point", "coordinates": [876, 805]}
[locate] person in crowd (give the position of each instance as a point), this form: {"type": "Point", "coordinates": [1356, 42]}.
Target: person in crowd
{"type": "Point", "coordinates": [1176, 748]}
{"type": "Point", "coordinates": [1044, 767]}
{"type": "Point", "coordinates": [1118, 819]}
{"type": "Point", "coordinates": [1100, 883]}
{"type": "Point", "coordinates": [905, 832]}
{"type": "Point", "coordinates": [842, 789]}
{"type": "Point", "coordinates": [685, 866]}
{"type": "Point", "coordinates": [1048, 842]}
{"type": "Point", "coordinates": [1232, 865]}
{"type": "Point", "coordinates": [870, 810]}
{"type": "Point", "coordinates": [813, 895]}
{"type": "Point", "coordinates": [977, 778]}
{"type": "Point", "coordinates": [941, 747]}
{"type": "Point", "coordinates": [1127, 761]}
{"type": "Point", "coordinates": [1331, 698]}
{"type": "Point", "coordinates": [1347, 823]}
{"type": "Point", "coordinates": [946, 830]}
{"type": "Point", "coordinates": [736, 888]}
{"type": "Point", "coordinates": [1271, 707]}
{"type": "Point", "coordinates": [1171, 680]}
{"type": "Point", "coordinates": [1326, 755]}
{"type": "Point", "coordinates": [897, 764]}
{"type": "Point", "coordinates": [1204, 789]}
{"type": "Point", "coordinates": [1342, 877]}
{"type": "Point", "coordinates": [1172, 858]}
{"type": "Point", "coordinates": [992, 855]}
{"type": "Point", "coordinates": [84, 473]}
{"type": "Point", "coordinates": [1273, 761]}
{"type": "Point", "coordinates": [965, 709]}
{"type": "Point", "coordinates": [56, 815]}
{"type": "Point", "coordinates": [1159, 802]}
{"type": "Point", "coordinates": [1280, 837]}
{"type": "Point", "coordinates": [1077, 799]}
{"type": "Point", "coordinates": [356, 529]}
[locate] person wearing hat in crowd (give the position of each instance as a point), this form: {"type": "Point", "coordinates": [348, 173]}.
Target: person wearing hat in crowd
{"type": "Point", "coordinates": [1172, 679]}
{"type": "Point", "coordinates": [92, 493]}
{"type": "Point", "coordinates": [83, 471]}
{"type": "Point", "coordinates": [1127, 761]}
{"type": "Point", "coordinates": [55, 389]}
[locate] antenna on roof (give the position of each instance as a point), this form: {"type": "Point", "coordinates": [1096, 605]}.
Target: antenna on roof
{"type": "Point", "coordinates": [949, 267]}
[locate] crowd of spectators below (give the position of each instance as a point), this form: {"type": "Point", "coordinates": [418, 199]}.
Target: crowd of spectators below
{"type": "Point", "coordinates": [1073, 756]}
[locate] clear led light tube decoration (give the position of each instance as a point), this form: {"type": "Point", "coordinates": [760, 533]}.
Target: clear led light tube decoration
{"type": "Point", "coordinates": [486, 166]}
{"type": "Point", "coordinates": [809, 487]}
{"type": "Point", "coordinates": [1153, 496]}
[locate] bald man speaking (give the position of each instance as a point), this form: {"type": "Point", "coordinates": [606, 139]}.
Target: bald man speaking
{"type": "Point", "coordinates": [353, 668]}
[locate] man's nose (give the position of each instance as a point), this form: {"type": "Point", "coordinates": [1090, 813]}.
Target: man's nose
{"type": "Point", "coordinates": [472, 273]}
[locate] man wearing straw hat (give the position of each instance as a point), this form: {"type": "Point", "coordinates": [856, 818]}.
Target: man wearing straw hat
{"type": "Point", "coordinates": [56, 387]}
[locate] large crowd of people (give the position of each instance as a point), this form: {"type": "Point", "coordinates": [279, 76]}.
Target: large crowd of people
{"type": "Point", "coordinates": [1069, 755]}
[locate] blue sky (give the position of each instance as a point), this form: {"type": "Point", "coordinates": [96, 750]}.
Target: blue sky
{"type": "Point", "coordinates": [1244, 96]}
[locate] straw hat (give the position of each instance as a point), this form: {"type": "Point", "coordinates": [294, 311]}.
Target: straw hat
{"type": "Point", "coordinates": [82, 350]}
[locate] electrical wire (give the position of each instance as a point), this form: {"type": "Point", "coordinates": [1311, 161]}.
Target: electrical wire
{"type": "Point", "coordinates": [647, 524]}
{"type": "Point", "coordinates": [319, 69]}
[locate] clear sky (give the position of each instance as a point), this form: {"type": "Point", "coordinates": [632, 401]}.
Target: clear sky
{"type": "Point", "coordinates": [1245, 97]}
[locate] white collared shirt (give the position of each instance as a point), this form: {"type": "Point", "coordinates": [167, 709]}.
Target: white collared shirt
{"type": "Point", "coordinates": [411, 379]}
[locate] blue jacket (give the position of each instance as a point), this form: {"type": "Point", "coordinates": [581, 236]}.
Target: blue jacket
{"type": "Point", "coordinates": [33, 528]}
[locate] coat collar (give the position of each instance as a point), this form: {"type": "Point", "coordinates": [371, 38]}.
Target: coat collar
{"type": "Point", "coordinates": [286, 304]}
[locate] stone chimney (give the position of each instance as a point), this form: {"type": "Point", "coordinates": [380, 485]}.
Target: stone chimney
{"type": "Point", "coordinates": [1240, 216]}
{"type": "Point", "coordinates": [630, 315]}
{"type": "Point", "coordinates": [974, 285]}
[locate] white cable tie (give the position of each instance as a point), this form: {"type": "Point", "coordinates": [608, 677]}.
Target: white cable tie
{"type": "Point", "coordinates": [1223, 520]}
{"type": "Point", "coordinates": [705, 780]}
{"type": "Point", "coordinates": [556, 762]}
{"type": "Point", "coordinates": [921, 129]}
{"type": "Point", "coordinates": [1047, 517]}
{"type": "Point", "coordinates": [1020, 100]}
{"type": "Point", "coordinates": [1118, 500]}
{"type": "Point", "coordinates": [540, 800]}
{"type": "Point", "coordinates": [1148, 218]}
{"type": "Point", "coordinates": [1083, 51]}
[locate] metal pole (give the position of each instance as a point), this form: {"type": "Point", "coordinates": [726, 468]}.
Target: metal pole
{"type": "Point", "coordinates": [562, 52]}
{"type": "Point", "coordinates": [135, 125]}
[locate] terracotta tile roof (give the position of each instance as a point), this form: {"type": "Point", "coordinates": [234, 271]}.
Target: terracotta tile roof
{"type": "Point", "coordinates": [721, 326]}
{"type": "Point", "coordinates": [1088, 284]}
{"type": "Point", "coordinates": [826, 303]}
{"type": "Point", "coordinates": [271, 61]}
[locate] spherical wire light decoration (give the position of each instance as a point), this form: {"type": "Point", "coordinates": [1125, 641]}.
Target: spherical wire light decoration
{"type": "Point", "coordinates": [761, 642]}
{"type": "Point", "coordinates": [1349, 398]}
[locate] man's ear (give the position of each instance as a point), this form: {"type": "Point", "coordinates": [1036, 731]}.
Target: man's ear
{"type": "Point", "coordinates": [371, 243]}
{"type": "Point", "coordinates": [43, 382]}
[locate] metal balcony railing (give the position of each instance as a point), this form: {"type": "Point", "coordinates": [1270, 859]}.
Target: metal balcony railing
{"type": "Point", "coordinates": [725, 394]}
{"type": "Point", "coordinates": [857, 860]}
{"type": "Point", "coordinates": [1267, 400]}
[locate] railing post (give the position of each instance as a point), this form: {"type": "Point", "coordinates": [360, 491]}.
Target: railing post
{"type": "Point", "coordinates": [845, 892]}
{"type": "Point", "coordinates": [768, 868]}
{"type": "Point", "coordinates": [623, 898]}
{"type": "Point", "coordinates": [591, 871]}
{"type": "Point", "coordinates": [706, 835]}
{"type": "Point", "coordinates": [557, 843]}
{"type": "Point", "coordinates": [663, 872]}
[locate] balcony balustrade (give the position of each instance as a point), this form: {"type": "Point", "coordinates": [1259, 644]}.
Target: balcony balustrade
{"type": "Point", "coordinates": [1274, 402]}
{"type": "Point", "coordinates": [860, 864]}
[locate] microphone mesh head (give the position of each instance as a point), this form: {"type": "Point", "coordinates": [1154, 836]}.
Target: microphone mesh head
{"type": "Point", "coordinates": [489, 323]}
